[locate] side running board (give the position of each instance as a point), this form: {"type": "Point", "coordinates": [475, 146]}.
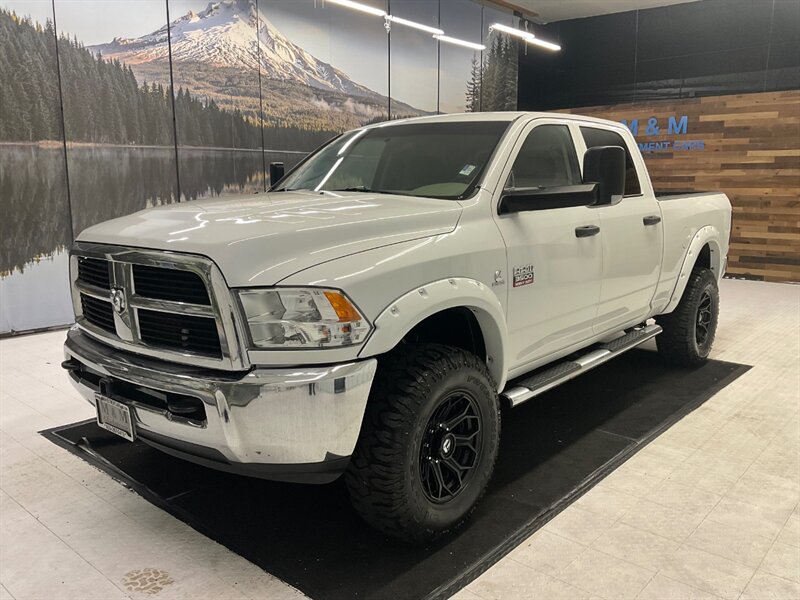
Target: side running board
{"type": "Point", "coordinates": [528, 387]}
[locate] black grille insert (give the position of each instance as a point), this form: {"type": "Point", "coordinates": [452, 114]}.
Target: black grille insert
{"type": "Point", "coordinates": [180, 332]}
{"type": "Point", "coordinates": [94, 271]}
{"type": "Point", "coordinates": [98, 313]}
{"type": "Point", "coordinates": [169, 284]}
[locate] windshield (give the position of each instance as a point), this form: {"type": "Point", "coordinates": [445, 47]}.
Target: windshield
{"type": "Point", "coordinates": [437, 160]}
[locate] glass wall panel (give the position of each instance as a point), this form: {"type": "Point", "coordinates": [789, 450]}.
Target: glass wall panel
{"type": "Point", "coordinates": [414, 59]}
{"type": "Point", "coordinates": [323, 71]}
{"type": "Point", "coordinates": [460, 67]}
{"type": "Point", "coordinates": [35, 228]}
{"type": "Point", "coordinates": [500, 59]}
{"type": "Point", "coordinates": [217, 102]}
{"type": "Point", "coordinates": [114, 64]}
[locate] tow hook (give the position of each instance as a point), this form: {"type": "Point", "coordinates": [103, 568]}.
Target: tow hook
{"type": "Point", "coordinates": [71, 365]}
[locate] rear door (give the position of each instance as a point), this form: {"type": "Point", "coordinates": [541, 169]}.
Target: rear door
{"type": "Point", "coordinates": [553, 276]}
{"type": "Point", "coordinates": [632, 239]}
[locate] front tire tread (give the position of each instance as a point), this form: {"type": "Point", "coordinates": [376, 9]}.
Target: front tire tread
{"type": "Point", "coordinates": [375, 477]}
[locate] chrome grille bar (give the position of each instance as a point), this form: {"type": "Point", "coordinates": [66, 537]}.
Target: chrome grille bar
{"type": "Point", "coordinates": [91, 290]}
{"type": "Point", "coordinates": [171, 306]}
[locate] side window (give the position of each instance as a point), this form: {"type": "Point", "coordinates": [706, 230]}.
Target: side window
{"type": "Point", "coordinates": [603, 137]}
{"type": "Point", "coordinates": [547, 159]}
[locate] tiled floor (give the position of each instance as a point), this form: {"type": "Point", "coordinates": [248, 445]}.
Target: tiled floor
{"type": "Point", "coordinates": [708, 510]}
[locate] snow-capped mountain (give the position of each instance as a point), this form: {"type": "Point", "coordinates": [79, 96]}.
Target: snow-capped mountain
{"type": "Point", "coordinates": [231, 33]}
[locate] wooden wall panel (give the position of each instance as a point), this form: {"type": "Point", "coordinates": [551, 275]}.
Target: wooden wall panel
{"type": "Point", "coordinates": [752, 153]}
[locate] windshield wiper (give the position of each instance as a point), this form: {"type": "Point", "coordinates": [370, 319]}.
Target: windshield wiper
{"type": "Point", "coordinates": [360, 188]}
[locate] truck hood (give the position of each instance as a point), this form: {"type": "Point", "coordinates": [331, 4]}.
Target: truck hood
{"type": "Point", "coordinates": [262, 239]}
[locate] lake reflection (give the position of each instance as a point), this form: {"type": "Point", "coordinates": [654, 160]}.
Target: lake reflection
{"type": "Point", "coordinates": [34, 208]}
{"type": "Point", "coordinates": [37, 296]}
{"type": "Point", "coordinates": [105, 182]}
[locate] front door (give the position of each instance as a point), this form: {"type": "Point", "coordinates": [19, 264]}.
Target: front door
{"type": "Point", "coordinates": [554, 255]}
{"type": "Point", "coordinates": [632, 242]}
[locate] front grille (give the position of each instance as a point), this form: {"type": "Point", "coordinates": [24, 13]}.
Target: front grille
{"type": "Point", "coordinates": [98, 313]}
{"type": "Point", "coordinates": [168, 304]}
{"type": "Point", "coordinates": [181, 332]}
{"type": "Point", "coordinates": [169, 284]}
{"type": "Point", "coordinates": [94, 271]}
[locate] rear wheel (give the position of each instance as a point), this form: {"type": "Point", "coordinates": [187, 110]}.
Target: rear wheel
{"type": "Point", "coordinates": [428, 443]}
{"type": "Point", "coordinates": [690, 329]}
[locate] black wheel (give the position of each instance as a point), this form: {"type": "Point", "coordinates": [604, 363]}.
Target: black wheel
{"type": "Point", "coordinates": [428, 443]}
{"type": "Point", "coordinates": [451, 447]}
{"type": "Point", "coordinates": [690, 329]}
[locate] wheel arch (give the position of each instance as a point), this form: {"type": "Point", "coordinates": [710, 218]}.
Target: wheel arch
{"type": "Point", "coordinates": [704, 251]}
{"type": "Point", "coordinates": [426, 311]}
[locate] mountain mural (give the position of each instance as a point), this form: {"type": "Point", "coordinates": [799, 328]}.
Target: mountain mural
{"type": "Point", "coordinates": [120, 110]}
{"type": "Point", "coordinates": [217, 53]}
{"type": "Point", "coordinates": [116, 138]}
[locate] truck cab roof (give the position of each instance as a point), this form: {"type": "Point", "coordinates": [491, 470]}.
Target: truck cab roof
{"type": "Point", "coordinates": [493, 116]}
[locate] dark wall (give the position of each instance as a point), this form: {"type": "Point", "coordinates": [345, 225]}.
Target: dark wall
{"type": "Point", "coordinates": [704, 48]}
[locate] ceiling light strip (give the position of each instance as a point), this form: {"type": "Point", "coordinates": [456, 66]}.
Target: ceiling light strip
{"type": "Point", "coordinates": [415, 25]}
{"type": "Point", "coordinates": [371, 10]}
{"type": "Point", "coordinates": [549, 45]}
{"type": "Point", "coordinates": [527, 36]}
{"type": "Point", "coordinates": [438, 34]}
{"type": "Point", "coordinates": [520, 33]}
{"type": "Point", "coordinates": [458, 42]}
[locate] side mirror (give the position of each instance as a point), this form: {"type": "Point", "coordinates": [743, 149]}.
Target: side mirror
{"type": "Point", "coordinates": [605, 166]}
{"type": "Point", "coordinates": [546, 198]}
{"type": "Point", "coordinates": [276, 171]}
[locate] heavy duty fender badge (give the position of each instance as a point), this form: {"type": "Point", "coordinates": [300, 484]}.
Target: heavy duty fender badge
{"type": "Point", "coordinates": [523, 275]}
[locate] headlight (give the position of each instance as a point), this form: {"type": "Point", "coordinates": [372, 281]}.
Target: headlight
{"type": "Point", "coordinates": [302, 318]}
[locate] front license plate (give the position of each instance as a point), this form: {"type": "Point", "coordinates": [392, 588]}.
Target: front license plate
{"type": "Point", "coordinates": [115, 417]}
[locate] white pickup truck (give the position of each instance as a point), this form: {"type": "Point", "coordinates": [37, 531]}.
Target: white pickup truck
{"type": "Point", "coordinates": [371, 313]}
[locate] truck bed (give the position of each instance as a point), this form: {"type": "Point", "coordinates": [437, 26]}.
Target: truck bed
{"type": "Point", "coordinates": [663, 195]}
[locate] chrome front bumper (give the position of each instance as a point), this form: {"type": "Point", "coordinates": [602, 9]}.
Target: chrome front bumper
{"type": "Point", "coordinates": [289, 424]}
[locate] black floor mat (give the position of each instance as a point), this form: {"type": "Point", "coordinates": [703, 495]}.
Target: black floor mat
{"type": "Point", "coordinates": [553, 449]}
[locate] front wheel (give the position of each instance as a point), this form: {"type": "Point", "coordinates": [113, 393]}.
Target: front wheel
{"type": "Point", "coordinates": [690, 329]}
{"type": "Point", "coordinates": [428, 443]}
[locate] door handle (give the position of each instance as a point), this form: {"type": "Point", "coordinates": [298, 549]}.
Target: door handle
{"type": "Point", "coordinates": [651, 220]}
{"type": "Point", "coordinates": [586, 231]}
